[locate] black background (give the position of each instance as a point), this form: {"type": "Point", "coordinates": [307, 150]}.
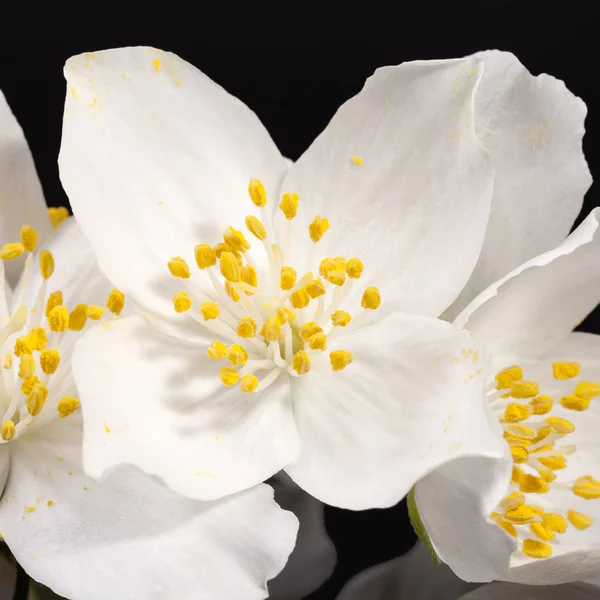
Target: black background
{"type": "Point", "coordinates": [294, 66]}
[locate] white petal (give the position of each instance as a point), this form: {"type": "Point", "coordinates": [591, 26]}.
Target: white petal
{"type": "Point", "coordinates": [21, 197]}
{"type": "Point", "coordinates": [156, 158]}
{"type": "Point", "coordinates": [415, 211]}
{"type": "Point", "coordinates": [158, 403]}
{"type": "Point", "coordinates": [130, 537]}
{"type": "Point", "coordinates": [530, 310]}
{"type": "Point", "coordinates": [532, 128]}
{"type": "Point", "coordinates": [514, 591]}
{"type": "Point", "coordinates": [314, 557]}
{"type": "Point", "coordinates": [410, 401]}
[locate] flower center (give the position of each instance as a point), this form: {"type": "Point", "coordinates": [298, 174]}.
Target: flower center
{"type": "Point", "coordinates": [536, 428]}
{"type": "Point", "coordinates": [282, 323]}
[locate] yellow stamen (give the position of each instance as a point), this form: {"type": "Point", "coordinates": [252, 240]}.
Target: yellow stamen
{"type": "Point", "coordinates": [371, 299]}
{"type": "Point", "coordinates": [256, 191]}
{"type": "Point", "coordinates": [508, 376]}
{"type": "Point", "coordinates": [29, 384]}
{"type": "Point", "coordinates": [205, 256]}
{"type": "Point", "coordinates": [535, 549]}
{"type": "Point", "coordinates": [231, 291]}
{"type": "Point", "coordinates": [26, 366]}
{"type": "Point", "coordinates": [357, 160]}
{"type": "Point", "coordinates": [78, 317]}
{"type": "Point", "coordinates": [249, 383]}
{"type": "Point", "coordinates": [8, 430]}
{"type": "Point", "coordinates": [285, 315]}
{"type": "Point", "coordinates": [246, 327]}
{"type": "Point", "coordinates": [271, 330]}
{"type": "Point", "coordinates": [517, 475]}
{"type": "Point", "coordinates": [579, 520]}
{"type": "Point", "coordinates": [229, 376]}
{"type": "Point", "coordinates": [220, 248]}
{"type": "Point", "coordinates": [209, 310]}
{"type": "Point", "coordinates": [256, 228]}
{"type": "Point", "coordinates": [46, 264]}
{"type": "Point", "coordinates": [513, 413]}
{"type": "Point", "coordinates": [67, 406]}
{"type": "Point", "coordinates": [541, 405]}
{"type": "Point", "coordinates": [236, 240]}
{"type": "Point", "coordinates": [542, 432]}
{"type": "Point", "coordinates": [317, 228]}
{"type": "Point", "coordinates": [37, 338]}
{"type": "Point", "coordinates": [555, 522]}
{"type": "Point", "coordinates": [300, 298]}
{"type": "Point", "coordinates": [587, 389]}
{"type": "Point", "coordinates": [230, 268]}
{"type": "Point", "coordinates": [512, 501]}
{"type": "Point", "coordinates": [315, 288]}
{"type": "Point", "coordinates": [340, 359]}
{"type": "Point", "coordinates": [36, 399]}
{"type": "Point", "coordinates": [520, 431]}
{"type": "Point", "coordinates": [249, 276]}
{"type": "Point", "coordinates": [10, 251]}
{"type": "Point", "coordinates": [22, 346]}
{"type": "Point", "coordinates": [58, 319]}
{"type": "Point", "coordinates": [333, 271]}
{"type": "Point", "coordinates": [288, 278]}
{"type": "Point", "coordinates": [340, 318]}
{"type": "Point", "coordinates": [54, 299]}
{"type": "Point", "coordinates": [519, 454]}
{"type": "Point", "coordinates": [354, 268]}
{"type": "Point", "coordinates": [49, 360]}
{"type": "Point", "coordinates": [530, 484]}
{"type": "Point", "coordinates": [524, 389]}
{"type": "Point", "coordinates": [217, 350]}
{"type": "Point", "coordinates": [289, 205]}
{"type": "Point", "coordinates": [308, 330]}
{"type": "Point", "coordinates": [554, 462]}
{"type": "Point", "coordinates": [179, 267]}
{"type": "Point", "coordinates": [565, 370]}
{"type": "Point", "coordinates": [94, 312]}
{"type": "Point", "coordinates": [587, 487]}
{"type": "Point", "coordinates": [57, 215]}
{"type": "Point", "coordinates": [237, 355]}
{"type": "Point", "coordinates": [560, 425]}
{"type": "Point", "coordinates": [182, 302]}
{"type": "Point", "coordinates": [29, 238]}
{"type": "Point", "coordinates": [541, 532]}
{"type": "Point", "coordinates": [574, 402]}
{"type": "Point", "coordinates": [301, 363]}
{"type": "Point", "coordinates": [520, 515]}
{"type": "Point", "coordinates": [317, 341]}
{"type": "Point", "coordinates": [508, 527]}
{"type": "Point", "coordinates": [116, 302]}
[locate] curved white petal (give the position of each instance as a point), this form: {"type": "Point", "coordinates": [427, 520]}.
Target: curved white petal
{"type": "Point", "coordinates": [532, 128]}
{"type": "Point", "coordinates": [514, 591]}
{"type": "Point", "coordinates": [21, 196]}
{"type": "Point", "coordinates": [410, 401]}
{"type": "Point", "coordinates": [531, 309]}
{"type": "Point", "coordinates": [158, 403]}
{"type": "Point", "coordinates": [156, 158]}
{"type": "Point", "coordinates": [415, 210]}
{"type": "Point", "coordinates": [314, 557]}
{"type": "Point", "coordinates": [129, 536]}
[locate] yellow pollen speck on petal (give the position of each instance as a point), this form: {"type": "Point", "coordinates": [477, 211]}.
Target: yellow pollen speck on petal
{"type": "Point", "coordinates": [156, 64]}
{"type": "Point", "coordinates": [340, 318]}
{"type": "Point", "coordinates": [57, 215]}
{"type": "Point", "coordinates": [205, 256]}
{"type": "Point", "coordinates": [289, 205]}
{"type": "Point", "coordinates": [536, 549]}
{"type": "Point", "coordinates": [54, 299]}
{"type": "Point", "coordinates": [229, 376]}
{"type": "Point", "coordinates": [317, 341]}
{"type": "Point", "coordinates": [181, 302]}
{"type": "Point", "coordinates": [587, 487]}
{"type": "Point", "coordinates": [508, 376]}
{"type": "Point", "coordinates": [178, 267]}
{"type": "Point", "coordinates": [301, 363]}
{"type": "Point", "coordinates": [308, 330]}
{"type": "Point", "coordinates": [231, 291]}
{"type": "Point", "coordinates": [340, 359]}
{"type": "Point", "coordinates": [67, 406]}
{"type": "Point", "coordinates": [519, 454]}
{"type": "Point", "coordinates": [11, 251]}
{"type": "Point", "coordinates": [288, 278]}
{"type": "Point", "coordinates": [541, 405]}
{"type": "Point", "coordinates": [29, 238]}
{"type": "Point", "coordinates": [354, 268]}
{"type": "Point", "coordinates": [300, 298]}
{"type": "Point", "coordinates": [249, 383]}
{"type": "Point", "coordinates": [237, 355]}
{"type": "Point", "coordinates": [555, 522]}
{"type": "Point", "coordinates": [257, 193]}
{"type": "Point", "coordinates": [209, 310]}
{"type": "Point", "coordinates": [50, 503]}
{"type": "Point", "coordinates": [574, 402]}
{"type": "Point", "coordinates": [78, 317]}
{"type": "Point", "coordinates": [58, 319]}
{"type": "Point", "coordinates": [236, 240]}
{"type": "Point", "coordinates": [543, 533]}
{"type": "Point", "coordinates": [217, 350]}
{"type": "Point", "coordinates": [560, 425]}
{"type": "Point", "coordinates": [315, 288]}
{"type": "Point", "coordinates": [49, 361]}
{"type": "Point", "coordinates": [29, 384]}
{"type": "Point", "coordinates": [116, 302]}
{"type": "Point", "coordinates": [246, 327]}
{"type": "Point", "coordinates": [36, 399]}
{"type": "Point", "coordinates": [357, 160]}
{"type": "Point", "coordinates": [22, 346]}
{"type": "Point", "coordinates": [46, 264]}
{"type": "Point", "coordinates": [271, 330]}
{"type": "Point", "coordinates": [256, 228]}
{"type": "Point", "coordinates": [579, 520]}
{"type": "Point", "coordinates": [8, 430]}
{"type": "Point", "coordinates": [317, 228]}
{"type": "Point", "coordinates": [94, 312]}
{"type": "Point", "coordinates": [565, 370]}
{"type": "Point", "coordinates": [6, 361]}
{"type": "Point", "coordinates": [26, 366]}
{"type": "Point", "coordinates": [513, 413]}
{"type": "Point", "coordinates": [530, 484]}
{"type": "Point", "coordinates": [587, 389]}
{"type": "Point", "coordinates": [520, 515]}
{"type": "Point", "coordinates": [524, 389]}
{"type": "Point", "coordinates": [511, 501]}
{"type": "Point", "coordinates": [371, 299]}
{"type": "Point", "coordinates": [230, 268]}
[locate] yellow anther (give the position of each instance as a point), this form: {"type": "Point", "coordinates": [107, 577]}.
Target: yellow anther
{"type": "Point", "coordinates": [317, 341]}
{"type": "Point", "coordinates": [516, 441]}
{"type": "Point", "coordinates": [230, 268]}
{"type": "Point", "coordinates": [78, 317]}
{"type": "Point", "coordinates": [10, 251]}
{"type": "Point", "coordinates": [237, 355]}
{"type": "Point", "coordinates": [8, 430]}
{"type": "Point", "coordinates": [217, 350]}
{"type": "Point", "coordinates": [587, 487]}
{"type": "Point", "coordinates": [315, 288]}
{"type": "Point", "coordinates": [67, 406]}
{"type": "Point", "coordinates": [317, 228]}
{"type": "Point", "coordinates": [560, 425]}
{"type": "Point", "coordinates": [546, 448]}
{"type": "Point", "coordinates": [555, 522]}
{"type": "Point", "coordinates": [220, 248]}
{"type": "Point", "coordinates": [182, 302]}
{"type": "Point", "coordinates": [246, 327]}
{"type": "Point", "coordinates": [301, 363]}
{"type": "Point", "coordinates": [536, 549]}
{"type": "Point", "coordinates": [46, 264]}
{"type": "Point", "coordinates": [49, 360]}
{"type": "Point", "coordinates": [548, 475]}
{"type": "Point", "coordinates": [249, 276]}
{"type": "Point", "coordinates": [587, 389]}
{"type": "Point", "coordinates": [29, 238]}
{"type": "Point", "coordinates": [512, 501]}
{"type": "Point", "coordinates": [209, 310]}
{"type": "Point", "coordinates": [357, 160]}
{"type": "Point", "coordinates": [354, 268]}
{"type": "Point", "coordinates": [520, 515]}
{"type": "Point", "coordinates": [565, 370]}
{"type": "Point", "coordinates": [308, 330]}
{"type": "Point", "coordinates": [256, 191]}
{"type": "Point", "coordinates": [116, 302]}
{"type": "Point", "coordinates": [271, 330]}
{"type": "Point", "coordinates": [229, 376]}
{"type": "Point", "coordinates": [530, 484]}
{"type": "Point", "coordinates": [37, 338]}
{"type": "Point", "coordinates": [555, 463]}
{"type": "Point", "coordinates": [541, 532]}
{"type": "Point", "coordinates": [236, 240]}
{"type": "Point", "coordinates": [517, 475]}
{"type": "Point", "coordinates": [285, 315]}
{"type": "Point", "coordinates": [94, 312]}
{"type": "Point", "coordinates": [249, 383]}
{"type": "Point", "coordinates": [541, 405]}
{"type": "Point", "coordinates": [26, 366]}
{"type": "Point", "coordinates": [58, 319]}
{"type": "Point", "coordinates": [340, 318]}
{"type": "Point", "coordinates": [524, 389]}
{"type": "Point", "coordinates": [542, 432]}
{"type": "Point", "coordinates": [36, 399]}
{"type": "Point", "coordinates": [231, 291]}
{"type": "Point", "coordinates": [179, 267]}
{"type": "Point", "coordinates": [28, 384]}
{"type": "Point", "coordinates": [574, 402]}
{"type": "Point", "coordinates": [340, 359]}
{"type": "Point", "coordinates": [521, 431]}
{"type": "Point", "coordinates": [54, 299]}
{"type": "Point", "coordinates": [371, 298]}
{"type": "Point", "coordinates": [205, 256]}
{"type": "Point", "coordinates": [300, 298]}
{"type": "Point", "coordinates": [256, 228]}
{"type": "Point", "coordinates": [57, 215]}
{"type": "Point", "coordinates": [519, 454]}
{"type": "Point", "coordinates": [579, 520]}
{"type": "Point", "coordinates": [508, 376]}
{"type": "Point", "coordinates": [22, 346]}
{"type": "Point", "coordinates": [508, 527]}
{"type": "Point", "coordinates": [513, 413]}
{"type": "Point", "coordinates": [333, 271]}
{"type": "Point", "coordinates": [289, 205]}
{"type": "Point", "coordinates": [288, 278]}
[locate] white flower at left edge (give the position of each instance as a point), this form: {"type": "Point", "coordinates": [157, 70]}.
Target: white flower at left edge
{"type": "Point", "coordinates": [127, 536]}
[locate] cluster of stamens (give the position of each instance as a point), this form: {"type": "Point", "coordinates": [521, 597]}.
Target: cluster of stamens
{"type": "Point", "coordinates": [536, 443]}
{"type": "Point", "coordinates": [281, 324]}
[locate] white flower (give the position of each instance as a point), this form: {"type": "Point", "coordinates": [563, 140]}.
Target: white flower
{"type": "Point", "coordinates": [128, 536]}
{"type": "Point", "coordinates": [158, 160]}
